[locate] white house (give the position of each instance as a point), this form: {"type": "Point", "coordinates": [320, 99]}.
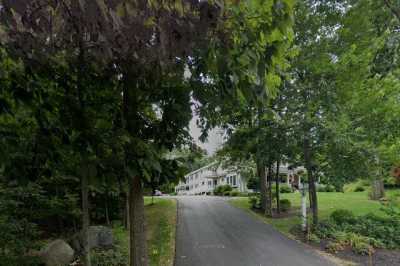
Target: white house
{"type": "Point", "coordinates": [203, 180]}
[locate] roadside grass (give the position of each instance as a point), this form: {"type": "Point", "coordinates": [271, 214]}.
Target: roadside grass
{"type": "Point", "coordinates": [161, 229]}
{"type": "Point", "coordinates": [357, 202]}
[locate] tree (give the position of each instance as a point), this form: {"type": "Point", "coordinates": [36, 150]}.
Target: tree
{"type": "Point", "coordinates": [138, 51]}
{"type": "Point", "coordinates": [371, 98]}
{"type": "Point", "coordinates": [309, 91]}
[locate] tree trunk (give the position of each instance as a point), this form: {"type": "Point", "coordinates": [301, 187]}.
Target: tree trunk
{"type": "Point", "coordinates": [85, 219]}
{"type": "Point", "coordinates": [268, 208]}
{"type": "Point", "coordinates": [107, 215]}
{"type": "Point", "coordinates": [126, 211]}
{"type": "Point", "coordinates": [137, 232]}
{"type": "Point", "coordinates": [123, 204]}
{"type": "Point", "coordinates": [263, 185]}
{"type": "Point", "coordinates": [60, 223]}
{"type": "Point", "coordinates": [311, 181]}
{"type": "Point", "coordinates": [378, 190]}
{"type": "Point", "coordinates": [277, 181]}
{"type": "Point", "coordinates": [313, 196]}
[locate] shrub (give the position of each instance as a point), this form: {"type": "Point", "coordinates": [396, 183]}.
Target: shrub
{"type": "Point", "coordinates": [334, 247]}
{"type": "Point", "coordinates": [16, 238]}
{"type": "Point", "coordinates": [285, 205]}
{"type": "Point", "coordinates": [342, 216]}
{"type": "Point", "coordinates": [234, 193]}
{"type": "Point", "coordinates": [255, 201]}
{"type": "Point", "coordinates": [253, 183]}
{"type": "Point", "coordinates": [220, 190]}
{"type": "Point", "coordinates": [359, 189]}
{"type": "Point", "coordinates": [326, 188]}
{"type": "Point", "coordinates": [226, 193]}
{"type": "Point", "coordinates": [314, 238]}
{"type": "Point", "coordinates": [391, 182]}
{"type": "Point", "coordinates": [285, 189]}
{"type": "Point", "coordinates": [330, 188]}
{"type": "Point", "coordinates": [359, 244]}
{"type": "Point", "coordinates": [110, 257]}
{"type": "Point", "coordinates": [326, 229]}
{"type": "Point", "coordinates": [383, 230]}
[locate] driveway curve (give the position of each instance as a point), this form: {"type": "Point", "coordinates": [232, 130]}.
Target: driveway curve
{"type": "Point", "coordinates": [211, 232]}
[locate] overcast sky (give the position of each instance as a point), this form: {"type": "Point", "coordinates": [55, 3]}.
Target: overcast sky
{"type": "Point", "coordinates": [214, 141]}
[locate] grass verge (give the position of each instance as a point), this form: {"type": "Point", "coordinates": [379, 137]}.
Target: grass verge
{"type": "Point", "coordinates": [357, 202]}
{"type": "Point", "coordinates": [161, 229]}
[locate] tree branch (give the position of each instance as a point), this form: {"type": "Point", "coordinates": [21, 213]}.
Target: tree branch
{"type": "Point", "coordinates": [394, 11]}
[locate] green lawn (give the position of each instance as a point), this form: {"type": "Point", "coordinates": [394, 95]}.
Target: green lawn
{"type": "Point", "coordinates": [161, 227]}
{"type": "Point", "coordinates": [357, 202]}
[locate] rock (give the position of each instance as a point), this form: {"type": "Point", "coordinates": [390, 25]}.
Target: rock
{"type": "Point", "coordinates": [76, 243]}
{"type": "Point", "coordinates": [100, 237]}
{"type": "Point", "coordinates": [57, 253]}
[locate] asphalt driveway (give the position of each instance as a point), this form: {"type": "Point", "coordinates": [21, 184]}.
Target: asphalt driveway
{"type": "Point", "coordinates": [211, 232]}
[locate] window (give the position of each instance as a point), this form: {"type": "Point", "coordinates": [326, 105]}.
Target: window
{"type": "Point", "coordinates": [234, 180]}
{"type": "Point", "coordinates": [202, 183]}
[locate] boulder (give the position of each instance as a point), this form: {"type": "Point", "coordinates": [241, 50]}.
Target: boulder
{"type": "Point", "coordinates": [99, 237]}
{"type": "Point", "coordinates": [57, 253]}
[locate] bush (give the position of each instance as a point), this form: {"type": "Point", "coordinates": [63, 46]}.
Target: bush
{"type": "Point", "coordinates": [359, 189]}
{"type": "Point", "coordinates": [253, 183]}
{"type": "Point", "coordinates": [255, 201]}
{"type": "Point", "coordinates": [334, 247]}
{"type": "Point", "coordinates": [285, 189]}
{"type": "Point", "coordinates": [330, 188]}
{"type": "Point", "coordinates": [110, 257]}
{"type": "Point", "coordinates": [226, 193]}
{"type": "Point", "coordinates": [342, 216]}
{"type": "Point", "coordinates": [16, 238]}
{"type": "Point", "coordinates": [359, 244]}
{"type": "Point", "coordinates": [391, 182]}
{"type": "Point", "coordinates": [384, 230]}
{"type": "Point", "coordinates": [379, 232]}
{"type": "Point", "coordinates": [314, 238]}
{"type": "Point", "coordinates": [285, 205]}
{"type": "Point", "coordinates": [326, 188]}
{"type": "Point", "coordinates": [220, 190]}
{"type": "Point", "coordinates": [234, 193]}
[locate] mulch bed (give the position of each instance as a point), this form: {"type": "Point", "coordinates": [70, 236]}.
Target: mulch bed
{"type": "Point", "coordinates": [381, 257]}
